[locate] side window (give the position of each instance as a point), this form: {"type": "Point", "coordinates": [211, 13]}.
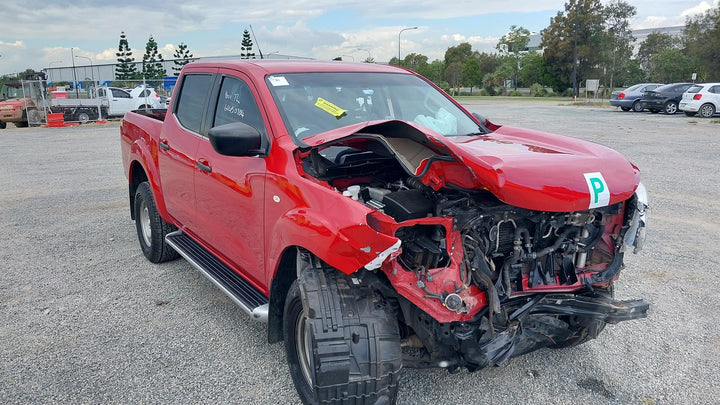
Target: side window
{"type": "Point", "coordinates": [191, 102]}
{"type": "Point", "coordinates": [714, 89]}
{"type": "Point", "coordinates": [236, 103]}
{"type": "Point", "coordinates": [144, 93]}
{"type": "Point", "coordinates": [117, 93]}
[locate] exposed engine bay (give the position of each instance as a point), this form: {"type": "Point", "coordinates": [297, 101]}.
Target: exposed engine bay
{"type": "Point", "coordinates": [479, 281]}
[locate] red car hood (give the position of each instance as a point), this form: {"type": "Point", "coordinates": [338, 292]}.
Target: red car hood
{"type": "Point", "coordinates": [529, 169]}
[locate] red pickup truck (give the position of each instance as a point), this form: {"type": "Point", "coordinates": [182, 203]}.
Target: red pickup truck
{"type": "Point", "coordinates": [375, 224]}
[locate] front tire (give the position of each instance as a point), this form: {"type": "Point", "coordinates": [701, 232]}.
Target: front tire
{"type": "Point", "coordinates": [671, 108]}
{"type": "Point", "coordinates": [151, 228]}
{"type": "Point", "coordinates": [706, 110]}
{"type": "Point", "coordinates": [637, 106]}
{"type": "Point", "coordinates": [342, 341]}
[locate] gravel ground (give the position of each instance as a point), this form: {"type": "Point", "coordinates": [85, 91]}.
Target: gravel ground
{"type": "Point", "coordinates": [86, 319]}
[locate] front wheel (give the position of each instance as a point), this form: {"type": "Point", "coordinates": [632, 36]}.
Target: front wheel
{"type": "Point", "coordinates": [706, 110]}
{"type": "Point", "coordinates": [637, 106]}
{"type": "Point", "coordinates": [342, 341]}
{"type": "Point", "coordinates": [151, 228]}
{"type": "Point", "coordinates": [671, 108]}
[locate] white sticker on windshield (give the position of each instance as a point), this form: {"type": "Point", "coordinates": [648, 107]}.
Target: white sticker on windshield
{"type": "Point", "coordinates": [599, 190]}
{"type": "Point", "coordinates": [278, 81]}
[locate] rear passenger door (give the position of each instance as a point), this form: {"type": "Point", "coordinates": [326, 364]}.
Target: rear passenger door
{"type": "Point", "coordinates": [178, 143]}
{"type": "Point", "coordinates": [229, 191]}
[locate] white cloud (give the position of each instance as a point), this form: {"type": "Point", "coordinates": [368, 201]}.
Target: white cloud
{"type": "Point", "coordinates": [699, 9]}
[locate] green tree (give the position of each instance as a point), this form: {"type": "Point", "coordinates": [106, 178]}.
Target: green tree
{"type": "Point", "coordinates": [471, 74]}
{"type": "Point", "coordinates": [182, 57]}
{"type": "Point", "coordinates": [532, 69]}
{"type": "Point", "coordinates": [460, 53]}
{"type": "Point", "coordinates": [514, 43]}
{"type": "Point", "coordinates": [651, 46]}
{"type": "Point", "coordinates": [618, 38]}
{"type": "Point", "coordinates": [152, 64]}
{"type": "Point", "coordinates": [433, 71]}
{"type": "Point", "coordinates": [702, 42]}
{"type": "Point", "coordinates": [414, 61]}
{"type": "Point", "coordinates": [125, 68]}
{"type": "Point", "coordinates": [453, 75]}
{"type": "Point", "coordinates": [671, 65]}
{"type": "Point", "coordinates": [581, 20]}
{"type": "Point", "coordinates": [246, 46]}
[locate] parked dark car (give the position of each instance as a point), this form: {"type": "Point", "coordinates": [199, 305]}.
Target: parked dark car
{"type": "Point", "coordinates": [629, 99]}
{"type": "Point", "coordinates": [665, 98]}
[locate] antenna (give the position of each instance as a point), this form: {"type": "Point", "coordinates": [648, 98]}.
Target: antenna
{"type": "Point", "coordinates": [256, 42]}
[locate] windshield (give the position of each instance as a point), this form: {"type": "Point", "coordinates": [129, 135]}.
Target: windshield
{"type": "Point", "coordinates": [10, 92]}
{"type": "Point", "coordinates": [311, 103]}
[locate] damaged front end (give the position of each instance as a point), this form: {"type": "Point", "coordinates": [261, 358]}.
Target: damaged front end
{"type": "Point", "coordinates": [477, 280]}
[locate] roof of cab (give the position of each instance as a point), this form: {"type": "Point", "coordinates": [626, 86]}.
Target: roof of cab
{"type": "Point", "coordinates": [274, 66]}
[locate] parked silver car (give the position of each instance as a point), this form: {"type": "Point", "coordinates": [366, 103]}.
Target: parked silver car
{"type": "Point", "coordinates": [629, 99]}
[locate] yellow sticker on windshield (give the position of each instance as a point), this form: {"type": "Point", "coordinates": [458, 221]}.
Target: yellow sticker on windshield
{"type": "Point", "coordinates": [330, 108]}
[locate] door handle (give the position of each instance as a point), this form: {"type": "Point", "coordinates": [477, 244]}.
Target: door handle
{"type": "Point", "coordinates": [164, 144]}
{"type": "Point", "coordinates": [204, 166]}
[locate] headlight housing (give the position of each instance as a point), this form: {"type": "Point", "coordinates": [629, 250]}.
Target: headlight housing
{"type": "Point", "coordinates": [635, 235]}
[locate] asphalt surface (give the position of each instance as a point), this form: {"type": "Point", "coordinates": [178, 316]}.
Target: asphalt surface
{"type": "Point", "coordinates": [86, 319]}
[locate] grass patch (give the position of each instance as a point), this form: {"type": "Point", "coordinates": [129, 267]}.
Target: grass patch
{"type": "Point", "coordinates": [715, 122]}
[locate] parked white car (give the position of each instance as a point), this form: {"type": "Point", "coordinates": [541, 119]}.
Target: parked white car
{"type": "Point", "coordinates": [148, 96]}
{"type": "Point", "coordinates": [703, 99]}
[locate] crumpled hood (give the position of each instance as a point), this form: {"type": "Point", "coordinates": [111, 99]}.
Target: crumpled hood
{"type": "Point", "coordinates": [526, 168]}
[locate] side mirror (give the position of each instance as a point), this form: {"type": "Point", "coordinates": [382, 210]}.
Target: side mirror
{"type": "Point", "coordinates": [236, 139]}
{"type": "Point", "coordinates": [481, 119]}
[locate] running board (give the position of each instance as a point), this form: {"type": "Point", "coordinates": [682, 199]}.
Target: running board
{"type": "Point", "coordinates": [237, 288]}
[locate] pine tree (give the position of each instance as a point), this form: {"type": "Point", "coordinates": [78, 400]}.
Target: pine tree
{"type": "Point", "coordinates": [182, 57]}
{"type": "Point", "coordinates": [152, 67]}
{"type": "Point", "coordinates": [246, 46]}
{"type": "Point", "coordinates": [125, 69]}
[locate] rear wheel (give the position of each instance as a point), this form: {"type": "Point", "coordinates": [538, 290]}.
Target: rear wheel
{"type": "Point", "coordinates": [342, 341]}
{"type": "Point", "coordinates": [625, 108]}
{"type": "Point", "coordinates": [151, 228]}
{"type": "Point", "coordinates": [3, 125]}
{"type": "Point", "coordinates": [671, 107]}
{"type": "Point", "coordinates": [706, 110]}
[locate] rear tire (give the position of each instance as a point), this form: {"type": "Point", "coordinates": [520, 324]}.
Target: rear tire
{"type": "Point", "coordinates": [151, 228]}
{"type": "Point", "coordinates": [342, 341]}
{"type": "Point", "coordinates": [625, 108]}
{"type": "Point", "coordinates": [706, 110]}
{"type": "Point", "coordinates": [3, 125]}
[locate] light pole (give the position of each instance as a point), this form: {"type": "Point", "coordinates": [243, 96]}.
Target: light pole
{"type": "Point", "coordinates": [50, 67]}
{"type": "Point", "coordinates": [401, 31]}
{"type": "Point", "coordinates": [369, 55]}
{"type": "Point", "coordinates": [72, 53]}
{"type": "Point", "coordinates": [92, 74]}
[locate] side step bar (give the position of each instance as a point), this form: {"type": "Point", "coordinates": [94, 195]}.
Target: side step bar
{"type": "Point", "coordinates": [237, 288]}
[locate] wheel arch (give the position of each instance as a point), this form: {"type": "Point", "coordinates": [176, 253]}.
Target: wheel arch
{"type": "Point", "coordinates": [136, 175]}
{"type": "Point", "coordinates": [284, 275]}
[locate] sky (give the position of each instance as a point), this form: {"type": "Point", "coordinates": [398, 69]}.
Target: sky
{"type": "Point", "coordinates": [39, 34]}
